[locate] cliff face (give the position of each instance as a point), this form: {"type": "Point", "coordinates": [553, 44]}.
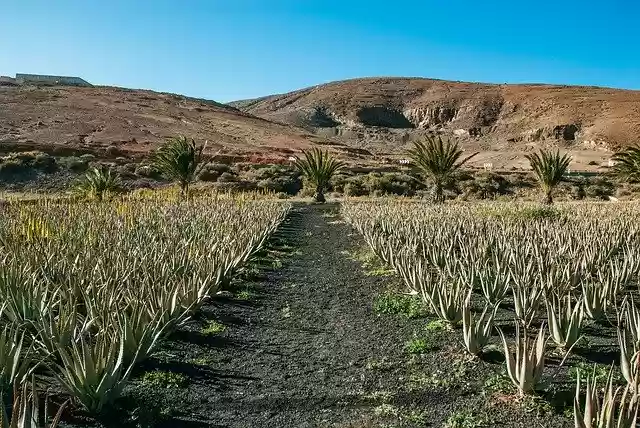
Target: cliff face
{"type": "Point", "coordinates": [384, 114]}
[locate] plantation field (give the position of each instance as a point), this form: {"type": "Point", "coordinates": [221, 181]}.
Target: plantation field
{"type": "Point", "coordinates": [238, 312]}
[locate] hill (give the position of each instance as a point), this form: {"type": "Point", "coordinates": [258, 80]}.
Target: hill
{"type": "Point", "coordinates": [384, 115]}
{"type": "Point", "coordinates": [368, 120]}
{"type": "Point", "coordinates": [107, 121]}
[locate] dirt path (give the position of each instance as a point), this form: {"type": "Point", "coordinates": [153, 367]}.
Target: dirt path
{"type": "Point", "coordinates": [306, 350]}
{"type": "Point", "coordinates": [301, 346]}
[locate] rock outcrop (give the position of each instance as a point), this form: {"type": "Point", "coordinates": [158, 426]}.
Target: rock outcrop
{"type": "Point", "coordinates": [487, 113]}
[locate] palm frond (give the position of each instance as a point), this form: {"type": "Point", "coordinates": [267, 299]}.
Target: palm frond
{"type": "Point", "coordinates": [318, 167]}
{"type": "Point", "coordinates": [179, 159]}
{"type": "Point", "coordinates": [549, 169]}
{"type": "Point", "coordinates": [438, 160]}
{"type": "Point", "coordinates": [98, 181]}
{"type": "Point", "coordinates": [627, 164]}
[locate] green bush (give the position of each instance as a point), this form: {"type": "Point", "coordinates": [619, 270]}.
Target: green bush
{"type": "Point", "coordinates": [161, 379]}
{"type": "Point", "coordinates": [227, 177]}
{"type": "Point", "coordinates": [23, 161]}
{"type": "Point", "coordinates": [211, 171]}
{"type": "Point", "coordinates": [12, 166]}
{"type": "Point", "coordinates": [74, 163]}
{"type": "Point", "coordinates": [485, 185]}
{"type": "Point", "coordinates": [277, 179]}
{"type": "Point", "coordinates": [354, 187]}
{"type": "Point", "coordinates": [391, 183]}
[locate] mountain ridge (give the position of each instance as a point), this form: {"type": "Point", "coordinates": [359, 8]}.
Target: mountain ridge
{"type": "Point", "coordinates": [384, 115]}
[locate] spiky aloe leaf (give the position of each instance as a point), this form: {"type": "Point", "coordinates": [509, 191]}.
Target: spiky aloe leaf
{"type": "Point", "coordinates": [526, 365]}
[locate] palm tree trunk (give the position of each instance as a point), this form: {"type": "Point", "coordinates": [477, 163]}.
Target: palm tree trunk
{"type": "Point", "coordinates": [548, 198]}
{"type": "Point", "coordinates": [319, 195]}
{"type": "Point", "coordinates": [438, 193]}
{"type": "Point", "coordinates": [184, 189]}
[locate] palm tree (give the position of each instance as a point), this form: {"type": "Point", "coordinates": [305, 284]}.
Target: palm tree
{"type": "Point", "coordinates": [179, 159]}
{"type": "Point", "coordinates": [549, 168]}
{"type": "Point", "coordinates": [627, 164]}
{"type": "Point", "coordinates": [439, 161]}
{"type": "Point", "coordinates": [98, 181]}
{"type": "Point", "coordinates": [318, 167]}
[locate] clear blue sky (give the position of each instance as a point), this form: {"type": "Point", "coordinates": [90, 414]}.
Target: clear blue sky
{"type": "Point", "coordinates": [234, 49]}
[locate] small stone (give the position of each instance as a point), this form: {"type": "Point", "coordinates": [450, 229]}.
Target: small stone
{"type": "Point", "coordinates": [224, 293]}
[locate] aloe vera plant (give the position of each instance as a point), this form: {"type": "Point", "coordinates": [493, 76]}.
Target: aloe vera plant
{"type": "Point", "coordinates": [629, 361]}
{"type": "Point", "coordinates": [595, 300]}
{"type": "Point", "coordinates": [94, 372]}
{"type": "Point", "coordinates": [565, 319]}
{"type": "Point", "coordinates": [614, 410]}
{"type": "Point", "coordinates": [526, 365]}
{"type": "Point", "coordinates": [526, 301]}
{"type": "Point", "coordinates": [630, 318]}
{"type": "Point", "coordinates": [494, 284]}
{"type": "Point", "coordinates": [25, 411]}
{"type": "Point", "coordinates": [477, 333]}
{"type": "Point", "coordinates": [16, 358]}
{"type": "Point", "coordinates": [447, 301]}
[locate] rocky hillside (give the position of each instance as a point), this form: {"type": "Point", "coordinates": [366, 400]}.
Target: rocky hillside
{"type": "Point", "coordinates": [369, 121]}
{"type": "Point", "coordinates": [123, 122]}
{"type": "Point", "coordinates": [384, 115]}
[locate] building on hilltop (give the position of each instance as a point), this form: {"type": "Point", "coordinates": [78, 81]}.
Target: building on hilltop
{"type": "Point", "coordinates": [42, 79]}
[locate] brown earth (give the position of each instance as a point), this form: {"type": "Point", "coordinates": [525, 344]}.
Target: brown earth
{"type": "Point", "coordinates": [502, 122]}
{"type": "Point", "coordinates": [371, 120]}
{"type": "Point", "coordinates": [122, 122]}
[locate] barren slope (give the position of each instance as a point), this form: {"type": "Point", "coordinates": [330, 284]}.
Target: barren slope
{"type": "Point", "coordinates": [384, 115]}
{"type": "Point", "coordinates": [72, 119]}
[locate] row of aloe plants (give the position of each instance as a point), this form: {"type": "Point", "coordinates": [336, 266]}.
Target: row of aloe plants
{"type": "Point", "coordinates": [567, 266]}
{"type": "Point", "coordinates": [90, 290]}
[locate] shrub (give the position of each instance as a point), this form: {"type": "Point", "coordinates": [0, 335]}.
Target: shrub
{"type": "Point", "coordinates": [45, 162]}
{"type": "Point", "coordinates": [16, 163]}
{"type": "Point", "coordinates": [211, 171]}
{"type": "Point", "coordinates": [485, 185]}
{"type": "Point", "coordinates": [146, 171]}
{"type": "Point", "coordinates": [113, 151]}
{"type": "Point", "coordinates": [74, 163]}
{"type": "Point", "coordinates": [354, 187]}
{"type": "Point", "coordinates": [598, 191]}
{"type": "Point", "coordinates": [391, 184]}
{"type": "Point", "coordinates": [12, 166]}
{"type": "Point", "coordinates": [162, 379]}
{"type": "Point", "coordinates": [227, 177]}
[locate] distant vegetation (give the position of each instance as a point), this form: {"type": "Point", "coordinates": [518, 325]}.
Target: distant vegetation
{"type": "Point", "coordinates": [438, 173]}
